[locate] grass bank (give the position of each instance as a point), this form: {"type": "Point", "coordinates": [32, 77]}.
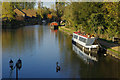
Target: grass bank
{"type": "Point", "coordinates": [67, 30]}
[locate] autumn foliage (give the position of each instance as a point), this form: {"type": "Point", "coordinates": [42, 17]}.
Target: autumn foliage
{"type": "Point", "coordinates": [49, 16]}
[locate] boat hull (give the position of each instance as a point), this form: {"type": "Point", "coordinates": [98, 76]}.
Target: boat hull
{"type": "Point", "coordinates": [84, 56]}
{"type": "Point", "coordinates": [86, 50]}
{"type": "Point", "coordinates": [54, 27]}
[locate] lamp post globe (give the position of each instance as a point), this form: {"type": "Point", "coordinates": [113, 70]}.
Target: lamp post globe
{"type": "Point", "coordinates": [11, 64]}
{"type": "Point", "coordinates": [19, 64]}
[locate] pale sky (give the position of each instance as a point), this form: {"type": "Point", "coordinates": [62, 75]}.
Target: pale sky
{"type": "Point", "coordinates": [47, 0]}
{"type": "Point", "coordinates": [47, 4]}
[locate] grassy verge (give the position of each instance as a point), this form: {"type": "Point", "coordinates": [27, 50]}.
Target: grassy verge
{"type": "Point", "coordinates": [66, 30]}
{"type": "Point", "coordinates": [114, 51]}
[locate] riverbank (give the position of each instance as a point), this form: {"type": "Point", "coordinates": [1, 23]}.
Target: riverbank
{"type": "Point", "coordinates": [14, 24]}
{"type": "Point", "coordinates": [112, 49]}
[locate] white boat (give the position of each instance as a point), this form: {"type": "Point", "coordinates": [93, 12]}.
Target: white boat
{"type": "Point", "coordinates": [84, 56]}
{"type": "Point", "coordinates": [86, 42]}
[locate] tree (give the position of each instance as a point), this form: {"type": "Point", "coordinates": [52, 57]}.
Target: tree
{"type": "Point", "coordinates": [7, 10]}
{"type": "Point", "coordinates": [40, 10]}
{"type": "Point", "coordinates": [94, 17]}
{"type": "Point", "coordinates": [24, 5]}
{"type": "Point", "coordinates": [96, 22]}
{"type": "Point", "coordinates": [60, 10]}
{"type": "Point", "coordinates": [30, 5]}
{"type": "Point", "coordinates": [110, 11]}
{"type": "Point", "coordinates": [69, 15]}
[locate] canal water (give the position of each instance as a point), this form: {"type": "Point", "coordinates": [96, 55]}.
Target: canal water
{"type": "Point", "coordinates": [40, 48]}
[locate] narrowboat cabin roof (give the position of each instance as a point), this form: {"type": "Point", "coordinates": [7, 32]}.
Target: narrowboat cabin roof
{"type": "Point", "coordinates": [54, 24]}
{"type": "Point", "coordinates": [84, 35]}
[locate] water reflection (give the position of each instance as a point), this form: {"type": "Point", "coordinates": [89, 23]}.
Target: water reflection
{"type": "Point", "coordinates": [75, 67]}
{"type": "Point", "coordinates": [39, 48]}
{"type": "Point", "coordinates": [22, 38]}
{"type": "Point", "coordinates": [20, 43]}
{"type": "Point", "coordinates": [88, 58]}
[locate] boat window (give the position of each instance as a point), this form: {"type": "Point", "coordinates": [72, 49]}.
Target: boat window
{"type": "Point", "coordinates": [82, 39]}
{"type": "Point", "coordinates": [75, 36]}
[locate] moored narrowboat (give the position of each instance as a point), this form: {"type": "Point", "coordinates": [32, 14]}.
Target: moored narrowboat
{"type": "Point", "coordinates": [86, 42]}
{"type": "Point", "coordinates": [54, 25]}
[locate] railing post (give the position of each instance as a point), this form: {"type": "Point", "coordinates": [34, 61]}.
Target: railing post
{"type": "Point", "coordinates": [16, 73]}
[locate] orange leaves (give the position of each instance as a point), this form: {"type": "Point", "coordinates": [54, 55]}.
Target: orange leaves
{"type": "Point", "coordinates": [49, 16]}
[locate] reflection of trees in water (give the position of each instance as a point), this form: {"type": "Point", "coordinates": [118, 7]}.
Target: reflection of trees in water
{"type": "Point", "coordinates": [55, 32]}
{"type": "Point", "coordinates": [64, 41]}
{"type": "Point", "coordinates": [22, 38]}
{"type": "Point", "coordinates": [69, 63]}
{"type": "Point", "coordinates": [104, 68]}
{"type": "Point", "coordinates": [60, 40]}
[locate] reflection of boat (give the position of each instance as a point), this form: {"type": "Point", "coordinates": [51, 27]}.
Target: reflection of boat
{"type": "Point", "coordinates": [83, 55]}
{"type": "Point", "coordinates": [54, 25]}
{"type": "Point", "coordinates": [43, 21]}
{"type": "Point", "coordinates": [54, 31]}
{"type": "Point", "coordinates": [86, 42]}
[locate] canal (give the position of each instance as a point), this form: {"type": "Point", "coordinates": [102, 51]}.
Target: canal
{"type": "Point", "coordinates": [40, 48]}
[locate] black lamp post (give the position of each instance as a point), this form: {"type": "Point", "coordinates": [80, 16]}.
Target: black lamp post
{"type": "Point", "coordinates": [17, 66]}
{"type": "Point", "coordinates": [11, 64]}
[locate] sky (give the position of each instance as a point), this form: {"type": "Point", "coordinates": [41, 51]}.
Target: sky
{"type": "Point", "coordinates": [47, 4]}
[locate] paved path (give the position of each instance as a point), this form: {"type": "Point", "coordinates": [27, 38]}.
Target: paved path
{"type": "Point", "coordinates": [113, 46]}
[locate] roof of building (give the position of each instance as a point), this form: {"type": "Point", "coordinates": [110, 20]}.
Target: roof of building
{"type": "Point", "coordinates": [30, 12]}
{"type": "Point", "coordinates": [18, 12]}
